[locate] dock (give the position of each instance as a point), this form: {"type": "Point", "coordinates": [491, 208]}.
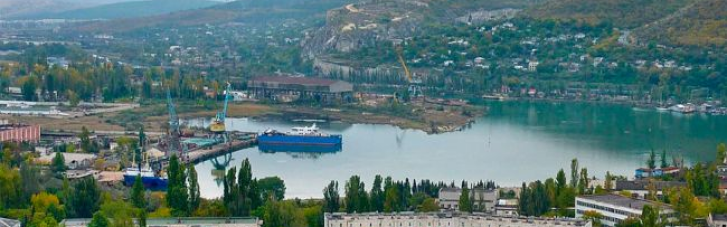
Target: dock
{"type": "Point", "coordinates": [203, 154]}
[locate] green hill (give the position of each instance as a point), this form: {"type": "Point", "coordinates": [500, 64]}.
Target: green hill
{"type": "Point", "coordinates": [130, 9]}
{"type": "Point", "coordinates": [237, 11]}
{"type": "Point", "coordinates": [704, 23]}
{"type": "Point", "coordinates": [621, 13]}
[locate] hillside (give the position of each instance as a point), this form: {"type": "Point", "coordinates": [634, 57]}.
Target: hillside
{"type": "Point", "coordinates": [703, 23]}
{"type": "Point", "coordinates": [621, 13]}
{"type": "Point", "coordinates": [363, 23]}
{"type": "Point", "coordinates": [129, 9]}
{"type": "Point", "coordinates": [18, 8]}
{"type": "Point", "coordinates": [237, 11]}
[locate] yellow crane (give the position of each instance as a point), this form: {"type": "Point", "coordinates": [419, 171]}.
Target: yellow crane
{"type": "Point", "coordinates": [413, 82]}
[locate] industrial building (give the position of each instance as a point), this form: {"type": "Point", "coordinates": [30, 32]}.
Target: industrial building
{"type": "Point", "coordinates": [444, 220]}
{"type": "Point", "coordinates": [288, 89]}
{"type": "Point", "coordinates": [181, 222]}
{"type": "Point", "coordinates": [4, 222]}
{"type": "Point", "coordinates": [616, 208]}
{"type": "Point", "coordinates": [484, 200]}
{"type": "Point", "coordinates": [19, 133]}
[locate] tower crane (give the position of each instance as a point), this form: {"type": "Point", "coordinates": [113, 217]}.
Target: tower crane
{"type": "Point", "coordinates": [174, 137]}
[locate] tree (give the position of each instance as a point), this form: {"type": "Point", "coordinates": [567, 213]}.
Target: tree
{"type": "Point", "coordinates": [356, 197]}
{"type": "Point", "coordinates": [377, 195]}
{"type": "Point", "coordinates": [630, 222]}
{"type": "Point", "coordinates": [583, 182]}
{"type": "Point", "coordinates": [73, 98]}
{"type": "Point", "coordinates": [722, 153]}
{"type": "Point", "coordinates": [58, 164]}
{"type": "Point", "coordinates": [85, 199]}
{"type": "Point", "coordinates": [560, 182]}
{"type": "Point", "coordinates": [331, 198]}
{"type": "Point", "coordinates": [429, 205]}
{"type": "Point", "coordinates": [650, 217]}
{"type": "Point", "coordinates": [664, 162]}
{"type": "Point", "coordinates": [272, 187]}
{"type": "Point", "coordinates": [608, 184]}
{"type": "Point", "coordinates": [282, 213]}
{"type": "Point", "coordinates": [118, 212]}
{"type": "Point", "coordinates": [574, 173]}
{"type": "Point", "coordinates": [137, 194]}
{"type": "Point", "coordinates": [465, 200]}
{"type": "Point", "coordinates": [651, 162]}
{"type": "Point", "coordinates": [10, 194]}
{"type": "Point", "coordinates": [194, 197]}
{"type": "Point", "coordinates": [594, 217]}
{"type": "Point", "coordinates": [99, 220]}
{"type": "Point", "coordinates": [177, 194]}
{"type": "Point", "coordinates": [391, 200]}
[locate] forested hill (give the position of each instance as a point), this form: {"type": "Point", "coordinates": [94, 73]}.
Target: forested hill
{"type": "Point", "coordinates": [703, 23]}
{"type": "Point", "coordinates": [128, 9]}
{"type": "Point", "coordinates": [258, 11]}
{"type": "Point", "coordinates": [621, 13]}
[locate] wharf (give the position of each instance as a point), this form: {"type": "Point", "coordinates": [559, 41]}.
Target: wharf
{"type": "Point", "coordinates": [203, 154]}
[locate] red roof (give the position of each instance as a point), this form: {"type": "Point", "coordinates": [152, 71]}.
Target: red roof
{"type": "Point", "coordinates": [293, 80]}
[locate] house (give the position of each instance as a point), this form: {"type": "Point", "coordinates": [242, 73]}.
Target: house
{"type": "Point", "coordinates": [74, 161]}
{"type": "Point", "coordinates": [4, 222]}
{"type": "Point", "coordinates": [507, 207]}
{"type": "Point", "coordinates": [645, 172]}
{"type": "Point", "coordinates": [640, 188]}
{"type": "Point", "coordinates": [57, 61]}
{"type": "Point", "coordinates": [717, 220]}
{"type": "Point", "coordinates": [533, 66]}
{"type": "Point", "coordinates": [616, 208]}
{"type": "Point", "coordinates": [453, 219]}
{"type": "Point", "coordinates": [484, 199]}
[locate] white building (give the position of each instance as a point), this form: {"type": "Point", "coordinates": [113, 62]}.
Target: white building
{"type": "Point", "coordinates": [483, 200]}
{"type": "Point", "coordinates": [443, 220]}
{"type": "Point", "coordinates": [717, 220]}
{"type": "Point", "coordinates": [616, 209]}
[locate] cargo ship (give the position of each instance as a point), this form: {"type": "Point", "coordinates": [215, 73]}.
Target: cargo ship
{"type": "Point", "coordinates": [299, 137]}
{"type": "Point", "coordinates": [150, 179]}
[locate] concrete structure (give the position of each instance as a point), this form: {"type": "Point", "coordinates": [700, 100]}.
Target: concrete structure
{"type": "Point", "coordinates": [483, 200]}
{"type": "Point", "coordinates": [286, 89]}
{"type": "Point", "coordinates": [717, 220]}
{"type": "Point", "coordinates": [4, 222]}
{"type": "Point", "coordinates": [640, 188]}
{"type": "Point", "coordinates": [616, 209]}
{"type": "Point", "coordinates": [181, 222]}
{"type": "Point", "coordinates": [19, 133]}
{"type": "Point", "coordinates": [442, 220]}
{"type": "Point", "coordinates": [507, 207]}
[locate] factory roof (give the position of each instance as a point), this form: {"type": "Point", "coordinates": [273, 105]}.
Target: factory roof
{"type": "Point", "coordinates": [621, 201]}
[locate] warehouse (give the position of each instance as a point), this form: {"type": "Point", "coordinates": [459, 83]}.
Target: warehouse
{"type": "Point", "coordinates": [19, 133]}
{"type": "Point", "coordinates": [289, 89]}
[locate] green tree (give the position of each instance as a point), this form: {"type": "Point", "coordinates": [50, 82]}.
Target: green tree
{"type": "Point", "coordinates": [119, 213]}
{"type": "Point", "coordinates": [574, 173]}
{"type": "Point", "coordinates": [630, 222]}
{"type": "Point", "coordinates": [583, 182]}
{"type": "Point", "coordinates": [58, 164]}
{"type": "Point", "coordinates": [194, 197]}
{"type": "Point", "coordinates": [272, 187]}
{"type": "Point", "coordinates": [356, 197]}
{"type": "Point", "coordinates": [429, 205]}
{"type": "Point", "coordinates": [650, 217]}
{"type": "Point", "coordinates": [282, 213]}
{"type": "Point", "coordinates": [10, 181]}
{"type": "Point", "coordinates": [594, 217]}
{"type": "Point", "coordinates": [99, 220]}
{"type": "Point", "coordinates": [651, 162]}
{"type": "Point", "coordinates": [137, 194]}
{"type": "Point", "coordinates": [561, 182]}
{"type": "Point", "coordinates": [664, 162]}
{"type": "Point", "coordinates": [465, 200]}
{"type": "Point", "coordinates": [85, 199]}
{"type": "Point", "coordinates": [177, 192]}
{"type": "Point", "coordinates": [331, 198]}
{"type": "Point", "coordinates": [608, 184]}
{"type": "Point", "coordinates": [721, 152]}
{"type": "Point", "coordinates": [377, 195]}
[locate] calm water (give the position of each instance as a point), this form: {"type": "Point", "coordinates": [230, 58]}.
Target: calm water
{"type": "Point", "coordinates": [516, 142]}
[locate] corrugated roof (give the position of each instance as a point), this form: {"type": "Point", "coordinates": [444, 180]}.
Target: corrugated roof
{"type": "Point", "coordinates": [294, 80]}
{"type": "Point", "coordinates": [4, 222]}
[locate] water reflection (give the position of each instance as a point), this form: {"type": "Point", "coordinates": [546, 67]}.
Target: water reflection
{"type": "Point", "coordinates": [219, 165]}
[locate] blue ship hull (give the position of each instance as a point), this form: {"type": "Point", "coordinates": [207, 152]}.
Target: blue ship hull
{"type": "Point", "coordinates": [294, 140]}
{"type": "Point", "coordinates": [153, 183]}
{"type": "Point", "coordinates": [272, 148]}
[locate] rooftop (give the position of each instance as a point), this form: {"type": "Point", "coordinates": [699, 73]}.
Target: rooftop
{"type": "Point", "coordinates": [176, 221]}
{"type": "Point", "coordinates": [617, 200]}
{"type": "Point", "coordinates": [4, 222]}
{"type": "Point", "coordinates": [643, 185]}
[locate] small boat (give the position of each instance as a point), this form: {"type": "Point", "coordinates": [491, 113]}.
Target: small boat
{"type": "Point", "coordinates": [299, 136]}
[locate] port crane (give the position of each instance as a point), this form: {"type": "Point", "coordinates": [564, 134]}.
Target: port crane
{"type": "Point", "coordinates": [413, 83]}
{"type": "Point", "coordinates": [174, 138]}
{"type": "Point", "coordinates": [218, 124]}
